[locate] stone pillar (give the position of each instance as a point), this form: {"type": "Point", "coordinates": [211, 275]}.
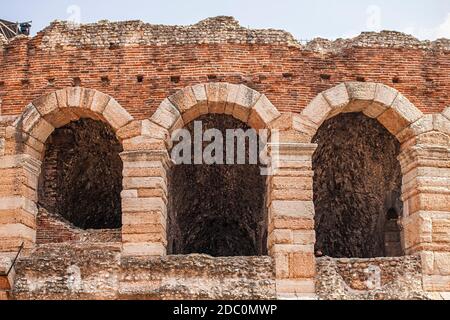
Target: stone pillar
{"type": "Point", "coordinates": [425, 165]}
{"type": "Point", "coordinates": [19, 173]}
{"type": "Point", "coordinates": [291, 217]}
{"type": "Point", "coordinates": [144, 202]}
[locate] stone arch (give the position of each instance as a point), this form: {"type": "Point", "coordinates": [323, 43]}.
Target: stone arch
{"type": "Point", "coordinates": [250, 108]}
{"type": "Point", "coordinates": [239, 101]}
{"type": "Point", "coordinates": [388, 106]}
{"type": "Point", "coordinates": [393, 110]}
{"type": "Point", "coordinates": [40, 119]}
{"type": "Point", "coordinates": [56, 109]}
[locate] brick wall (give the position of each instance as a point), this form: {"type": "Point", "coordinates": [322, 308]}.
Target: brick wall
{"type": "Point", "coordinates": [52, 228]}
{"type": "Point", "coordinates": [141, 64]}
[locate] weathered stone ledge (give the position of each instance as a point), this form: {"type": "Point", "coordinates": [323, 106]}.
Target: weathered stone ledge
{"type": "Point", "coordinates": [99, 271]}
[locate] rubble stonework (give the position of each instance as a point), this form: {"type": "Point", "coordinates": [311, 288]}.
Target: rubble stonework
{"type": "Point", "coordinates": [94, 271]}
{"type": "Point", "coordinates": [144, 82]}
{"type": "Point", "coordinates": [398, 278]}
{"type": "Point", "coordinates": [217, 30]}
{"type": "Point", "coordinates": [383, 39]}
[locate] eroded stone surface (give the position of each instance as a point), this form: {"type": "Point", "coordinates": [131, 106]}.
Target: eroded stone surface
{"type": "Point", "coordinates": [99, 271]}
{"type": "Point", "coordinates": [398, 278]}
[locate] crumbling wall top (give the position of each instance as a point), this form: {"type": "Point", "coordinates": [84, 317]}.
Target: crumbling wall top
{"type": "Point", "coordinates": [210, 31]}
{"type": "Point", "coordinates": [217, 30]}
{"type": "Point", "coordinates": [383, 39]}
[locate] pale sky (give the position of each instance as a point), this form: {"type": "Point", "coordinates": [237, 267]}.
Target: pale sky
{"type": "Point", "coordinates": [425, 19]}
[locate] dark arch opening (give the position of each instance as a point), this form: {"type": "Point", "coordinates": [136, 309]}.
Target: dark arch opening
{"type": "Point", "coordinates": [392, 214]}
{"type": "Point", "coordinates": [81, 177]}
{"type": "Point", "coordinates": [357, 179]}
{"type": "Point", "coordinates": [217, 209]}
{"type": "Point", "coordinates": [392, 234]}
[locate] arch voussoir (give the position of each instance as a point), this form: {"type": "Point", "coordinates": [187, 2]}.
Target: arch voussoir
{"type": "Point", "coordinates": [46, 104]}
{"type": "Point", "coordinates": [401, 114]}
{"type": "Point", "coordinates": [423, 125]}
{"type": "Point", "coordinates": [393, 110]}
{"type": "Point", "coordinates": [446, 113]}
{"type": "Point", "coordinates": [241, 100]}
{"type": "Point", "coordinates": [441, 123]}
{"type": "Point", "coordinates": [361, 95]}
{"type": "Point", "coordinates": [116, 115]}
{"type": "Point", "coordinates": [167, 115]}
{"type": "Point", "coordinates": [233, 91]}
{"type": "Point", "coordinates": [201, 106]}
{"type": "Point", "coordinates": [383, 99]}
{"type": "Point", "coordinates": [189, 102]}
{"type": "Point", "coordinates": [237, 100]}
{"type": "Point", "coordinates": [33, 124]}
{"type": "Point", "coordinates": [183, 99]}
{"type": "Point", "coordinates": [263, 113]}
{"type": "Point", "coordinates": [338, 98]}
{"type": "Point", "coordinates": [217, 94]}
{"type": "Point", "coordinates": [317, 110]}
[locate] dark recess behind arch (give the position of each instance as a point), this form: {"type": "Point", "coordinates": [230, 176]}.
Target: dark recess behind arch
{"type": "Point", "coordinates": [217, 209]}
{"type": "Point", "coordinates": [357, 179]}
{"type": "Point", "coordinates": [81, 177]}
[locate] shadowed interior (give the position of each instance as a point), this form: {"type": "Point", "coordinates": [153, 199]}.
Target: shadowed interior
{"type": "Point", "coordinates": [357, 188]}
{"type": "Point", "coordinates": [217, 209]}
{"type": "Point", "coordinates": [81, 177]}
